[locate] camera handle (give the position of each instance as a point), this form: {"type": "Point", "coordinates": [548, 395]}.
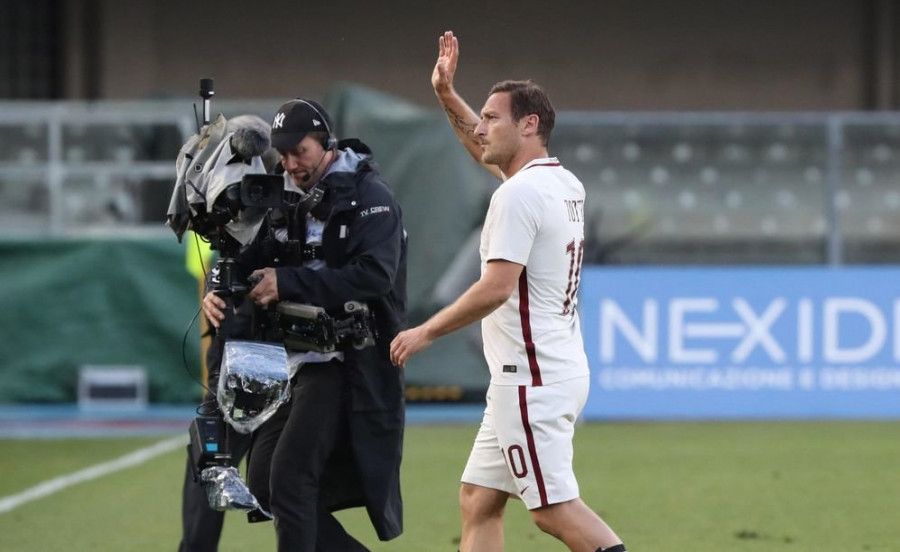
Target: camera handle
{"type": "Point", "coordinates": [231, 289]}
{"type": "Point", "coordinates": [226, 324]}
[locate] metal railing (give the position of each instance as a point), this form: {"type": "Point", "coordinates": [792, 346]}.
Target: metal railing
{"type": "Point", "coordinates": [669, 187]}
{"type": "Point", "coordinates": [59, 160]}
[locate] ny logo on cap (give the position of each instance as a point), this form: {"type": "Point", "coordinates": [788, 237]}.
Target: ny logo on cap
{"type": "Point", "coordinates": [316, 122]}
{"type": "Point", "coordinates": [279, 121]}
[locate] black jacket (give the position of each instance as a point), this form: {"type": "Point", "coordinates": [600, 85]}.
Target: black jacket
{"type": "Point", "coordinates": [364, 245]}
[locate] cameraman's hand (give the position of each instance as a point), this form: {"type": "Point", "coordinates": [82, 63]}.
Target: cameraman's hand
{"type": "Point", "coordinates": [213, 306]}
{"type": "Point", "coordinates": [266, 291]}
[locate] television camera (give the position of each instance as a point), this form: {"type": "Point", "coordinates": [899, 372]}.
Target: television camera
{"type": "Point", "coordinates": [223, 193]}
{"type": "Point", "coordinates": [252, 192]}
{"type": "Point", "coordinates": [222, 190]}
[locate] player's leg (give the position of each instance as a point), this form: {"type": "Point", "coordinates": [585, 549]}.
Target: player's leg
{"type": "Point", "coordinates": [576, 525]}
{"type": "Point", "coordinates": [482, 518]}
{"type": "Point", "coordinates": [537, 434]}
{"type": "Point", "coordinates": [486, 485]}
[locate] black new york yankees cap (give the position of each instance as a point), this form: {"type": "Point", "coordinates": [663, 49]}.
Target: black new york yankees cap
{"type": "Point", "coordinates": [295, 119]}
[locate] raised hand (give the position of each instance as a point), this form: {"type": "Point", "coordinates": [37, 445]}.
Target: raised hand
{"type": "Point", "coordinates": [445, 67]}
{"type": "Point", "coordinates": [463, 119]}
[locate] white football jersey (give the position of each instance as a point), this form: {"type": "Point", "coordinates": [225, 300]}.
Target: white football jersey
{"type": "Point", "coordinates": [536, 219]}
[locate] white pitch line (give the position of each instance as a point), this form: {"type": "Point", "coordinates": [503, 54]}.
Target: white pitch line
{"type": "Point", "coordinates": [57, 484]}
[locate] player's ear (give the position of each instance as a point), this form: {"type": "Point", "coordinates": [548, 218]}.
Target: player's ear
{"type": "Point", "coordinates": [529, 124]}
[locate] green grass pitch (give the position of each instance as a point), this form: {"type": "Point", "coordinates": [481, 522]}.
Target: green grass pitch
{"type": "Point", "coordinates": [698, 487]}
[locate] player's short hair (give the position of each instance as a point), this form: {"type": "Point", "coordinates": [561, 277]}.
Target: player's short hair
{"type": "Point", "coordinates": [526, 98]}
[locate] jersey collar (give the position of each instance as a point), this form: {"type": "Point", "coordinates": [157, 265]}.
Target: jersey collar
{"type": "Point", "coordinates": [542, 162]}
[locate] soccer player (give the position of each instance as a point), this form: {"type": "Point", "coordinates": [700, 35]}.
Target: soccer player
{"type": "Point", "coordinates": [531, 250]}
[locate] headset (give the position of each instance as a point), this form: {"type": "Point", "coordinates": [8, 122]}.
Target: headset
{"type": "Point", "coordinates": [331, 141]}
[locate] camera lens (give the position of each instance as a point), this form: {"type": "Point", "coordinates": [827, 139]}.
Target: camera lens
{"type": "Point", "coordinates": [256, 192]}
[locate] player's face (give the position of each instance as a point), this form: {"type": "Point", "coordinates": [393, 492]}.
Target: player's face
{"type": "Point", "coordinates": [304, 162]}
{"type": "Point", "coordinates": [499, 135]}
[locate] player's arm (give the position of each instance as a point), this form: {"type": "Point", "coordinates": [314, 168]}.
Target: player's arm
{"type": "Point", "coordinates": [463, 118]}
{"type": "Point", "coordinates": [492, 290]}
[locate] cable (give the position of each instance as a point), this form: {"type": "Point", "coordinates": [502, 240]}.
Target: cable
{"type": "Point", "coordinates": [184, 351]}
{"type": "Point", "coordinates": [191, 324]}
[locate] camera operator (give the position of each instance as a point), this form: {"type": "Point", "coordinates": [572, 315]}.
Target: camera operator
{"type": "Point", "coordinates": [338, 442]}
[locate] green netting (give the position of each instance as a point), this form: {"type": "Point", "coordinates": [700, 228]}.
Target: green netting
{"type": "Point", "coordinates": [69, 303]}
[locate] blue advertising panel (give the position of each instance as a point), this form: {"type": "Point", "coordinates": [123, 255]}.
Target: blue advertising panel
{"type": "Point", "coordinates": [669, 343]}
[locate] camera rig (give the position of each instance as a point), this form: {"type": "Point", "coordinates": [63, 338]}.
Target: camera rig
{"type": "Point", "coordinates": [303, 328]}
{"type": "Point", "coordinates": [310, 328]}
{"type": "Point", "coordinates": [222, 194]}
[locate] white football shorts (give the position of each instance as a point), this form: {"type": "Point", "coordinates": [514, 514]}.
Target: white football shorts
{"type": "Point", "coordinates": [524, 445]}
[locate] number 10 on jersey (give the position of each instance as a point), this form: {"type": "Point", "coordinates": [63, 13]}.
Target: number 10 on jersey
{"type": "Point", "coordinates": [575, 251]}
